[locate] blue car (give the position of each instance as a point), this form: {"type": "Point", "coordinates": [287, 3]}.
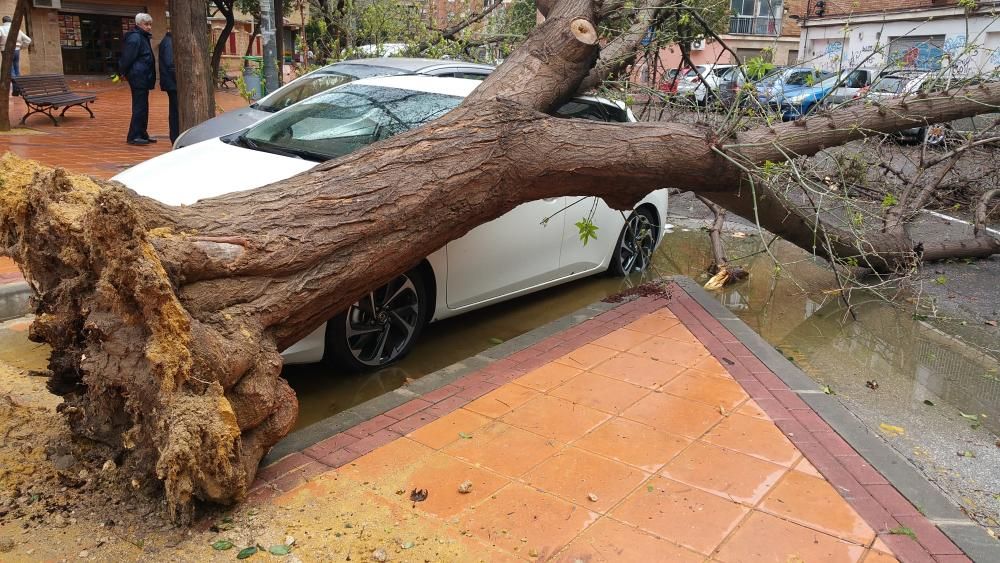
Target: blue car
{"type": "Point", "coordinates": [793, 102]}
{"type": "Point", "coordinates": [776, 86]}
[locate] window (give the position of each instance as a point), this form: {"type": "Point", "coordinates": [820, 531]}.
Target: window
{"type": "Point", "coordinates": [344, 120]}
{"type": "Point", "coordinates": [592, 110]}
{"type": "Point", "coordinates": [756, 17]}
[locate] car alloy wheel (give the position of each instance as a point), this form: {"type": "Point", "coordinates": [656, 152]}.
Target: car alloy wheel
{"type": "Point", "coordinates": [381, 327]}
{"type": "Point", "coordinates": [635, 244]}
{"type": "Point", "coordinates": [934, 135]}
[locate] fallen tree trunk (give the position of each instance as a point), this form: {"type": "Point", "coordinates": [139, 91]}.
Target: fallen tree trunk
{"type": "Point", "coordinates": [166, 323]}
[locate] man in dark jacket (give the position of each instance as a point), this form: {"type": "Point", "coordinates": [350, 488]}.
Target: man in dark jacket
{"type": "Point", "coordinates": [168, 81]}
{"type": "Point", "coordinates": [138, 66]}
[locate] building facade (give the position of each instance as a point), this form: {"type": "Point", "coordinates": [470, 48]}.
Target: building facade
{"type": "Point", "coordinates": [766, 28]}
{"type": "Point", "coordinates": [72, 37]}
{"type": "Point", "coordinates": [903, 34]}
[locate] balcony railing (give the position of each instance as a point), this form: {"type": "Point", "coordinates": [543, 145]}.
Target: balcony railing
{"type": "Point", "coordinates": [754, 25]}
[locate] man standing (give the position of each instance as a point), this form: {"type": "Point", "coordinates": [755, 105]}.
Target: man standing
{"type": "Point", "coordinates": [138, 66]}
{"type": "Point", "coordinates": [22, 41]}
{"type": "Point", "coordinates": [168, 81]}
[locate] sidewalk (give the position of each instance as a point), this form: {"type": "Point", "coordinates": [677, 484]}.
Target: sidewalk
{"type": "Point", "coordinates": [649, 432]}
{"type": "Point", "coordinates": [95, 146]}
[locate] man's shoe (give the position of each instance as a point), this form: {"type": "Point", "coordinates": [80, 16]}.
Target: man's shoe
{"type": "Point", "coordinates": [138, 142]}
{"type": "Point", "coordinates": [150, 140]}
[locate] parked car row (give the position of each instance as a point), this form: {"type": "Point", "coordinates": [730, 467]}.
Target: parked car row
{"type": "Point", "coordinates": [347, 106]}
{"type": "Point", "coordinates": [794, 92]}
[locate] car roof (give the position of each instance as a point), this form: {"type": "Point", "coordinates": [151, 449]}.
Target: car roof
{"type": "Point", "coordinates": [403, 63]}
{"type": "Point", "coordinates": [442, 85]}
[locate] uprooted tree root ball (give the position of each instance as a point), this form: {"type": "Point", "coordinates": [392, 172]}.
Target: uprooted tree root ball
{"type": "Point", "coordinates": [122, 343]}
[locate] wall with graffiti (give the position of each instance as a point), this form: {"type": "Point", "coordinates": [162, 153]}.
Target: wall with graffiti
{"type": "Point", "coordinates": [964, 46]}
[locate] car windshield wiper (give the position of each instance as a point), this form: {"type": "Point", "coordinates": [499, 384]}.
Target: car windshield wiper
{"type": "Point", "coordinates": [283, 151]}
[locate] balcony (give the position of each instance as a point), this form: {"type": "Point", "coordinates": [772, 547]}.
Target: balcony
{"type": "Point", "coordinates": [754, 25]}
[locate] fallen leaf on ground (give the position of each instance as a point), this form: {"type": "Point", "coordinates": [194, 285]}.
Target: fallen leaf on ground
{"type": "Point", "coordinates": [890, 429]}
{"type": "Point", "coordinates": [828, 390]}
{"type": "Point", "coordinates": [991, 323]}
{"type": "Point", "coordinates": [418, 495]}
{"type": "Point", "coordinates": [967, 453]}
{"type": "Point", "coordinates": [279, 549]}
{"type": "Point", "coordinates": [222, 545]}
{"type": "Point", "coordinates": [247, 552]}
{"type": "Point", "coordinates": [929, 402]}
{"type": "Point", "coordinates": [873, 385]}
{"type": "Point", "coordinates": [465, 435]}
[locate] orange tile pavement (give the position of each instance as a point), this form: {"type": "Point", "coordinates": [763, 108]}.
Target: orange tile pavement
{"type": "Point", "coordinates": [619, 450]}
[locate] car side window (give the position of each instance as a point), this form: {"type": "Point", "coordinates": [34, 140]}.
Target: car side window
{"type": "Point", "coordinates": [857, 79]}
{"type": "Point", "coordinates": [593, 111]}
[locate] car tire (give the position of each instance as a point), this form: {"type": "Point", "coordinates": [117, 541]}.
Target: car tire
{"type": "Point", "coordinates": [635, 245]}
{"type": "Point", "coordinates": [382, 327]}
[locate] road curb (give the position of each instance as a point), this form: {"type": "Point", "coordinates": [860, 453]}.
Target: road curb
{"type": "Point", "coordinates": [969, 536]}
{"type": "Point", "coordinates": [14, 300]}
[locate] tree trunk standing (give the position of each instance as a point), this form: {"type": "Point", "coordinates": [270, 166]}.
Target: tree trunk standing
{"type": "Point", "coordinates": [166, 338]}
{"type": "Point", "coordinates": [226, 8]}
{"type": "Point", "coordinates": [267, 34]}
{"type": "Point", "coordinates": [194, 72]}
{"type": "Point", "coordinates": [8, 64]}
{"type": "Point", "coordinates": [279, 40]}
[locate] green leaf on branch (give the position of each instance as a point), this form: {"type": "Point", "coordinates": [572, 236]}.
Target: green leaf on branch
{"type": "Point", "coordinates": [588, 230]}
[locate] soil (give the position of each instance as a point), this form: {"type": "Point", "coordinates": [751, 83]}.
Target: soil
{"type": "Point", "coordinates": [62, 498]}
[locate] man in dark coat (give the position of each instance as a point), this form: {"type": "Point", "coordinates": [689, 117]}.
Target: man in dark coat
{"type": "Point", "coordinates": [138, 66]}
{"type": "Point", "coordinates": [168, 81]}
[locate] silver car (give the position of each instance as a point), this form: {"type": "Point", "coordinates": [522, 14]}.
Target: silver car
{"type": "Point", "coordinates": [323, 79]}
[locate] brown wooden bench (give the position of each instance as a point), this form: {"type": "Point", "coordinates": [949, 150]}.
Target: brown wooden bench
{"type": "Point", "coordinates": [46, 93]}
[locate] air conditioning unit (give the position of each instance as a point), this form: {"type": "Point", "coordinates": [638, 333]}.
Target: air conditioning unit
{"type": "Point", "coordinates": [53, 4]}
{"type": "Point", "coordinates": [698, 45]}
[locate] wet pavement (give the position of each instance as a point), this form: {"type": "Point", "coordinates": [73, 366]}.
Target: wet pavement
{"type": "Point", "coordinates": [648, 429]}
{"type": "Point", "coordinates": [95, 146]}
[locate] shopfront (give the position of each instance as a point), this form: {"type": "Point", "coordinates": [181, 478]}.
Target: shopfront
{"type": "Point", "coordinates": [91, 35]}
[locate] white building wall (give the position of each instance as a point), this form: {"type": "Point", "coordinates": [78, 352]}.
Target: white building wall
{"type": "Point", "coordinates": [850, 44]}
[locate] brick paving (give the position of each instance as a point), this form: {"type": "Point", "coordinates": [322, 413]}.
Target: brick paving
{"type": "Point", "coordinates": [96, 146]}
{"type": "Point", "coordinates": [92, 146]}
{"type": "Point", "coordinates": [691, 447]}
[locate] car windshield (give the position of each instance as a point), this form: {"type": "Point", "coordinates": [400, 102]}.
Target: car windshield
{"type": "Point", "coordinates": [321, 81]}
{"type": "Point", "coordinates": [344, 120]}
{"type": "Point", "coordinates": [806, 77]}
{"type": "Point", "coordinates": [770, 79]}
{"type": "Point", "coordinates": [889, 85]}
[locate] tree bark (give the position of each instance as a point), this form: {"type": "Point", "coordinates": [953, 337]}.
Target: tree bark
{"type": "Point", "coordinates": [166, 323]}
{"type": "Point", "coordinates": [7, 63]}
{"type": "Point", "coordinates": [226, 8]}
{"type": "Point", "coordinates": [194, 71]}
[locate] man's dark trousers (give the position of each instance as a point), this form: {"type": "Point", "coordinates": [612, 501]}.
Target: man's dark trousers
{"type": "Point", "coordinates": [140, 115]}
{"type": "Point", "coordinates": [172, 117]}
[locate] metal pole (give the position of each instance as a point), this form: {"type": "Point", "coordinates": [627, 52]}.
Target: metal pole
{"type": "Point", "coordinates": [268, 36]}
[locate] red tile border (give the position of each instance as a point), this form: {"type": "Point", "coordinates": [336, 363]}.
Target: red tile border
{"type": "Point", "coordinates": [864, 488]}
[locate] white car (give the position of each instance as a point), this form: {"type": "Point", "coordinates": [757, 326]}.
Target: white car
{"type": "Point", "coordinates": [694, 81]}
{"type": "Point", "coordinates": [515, 254]}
